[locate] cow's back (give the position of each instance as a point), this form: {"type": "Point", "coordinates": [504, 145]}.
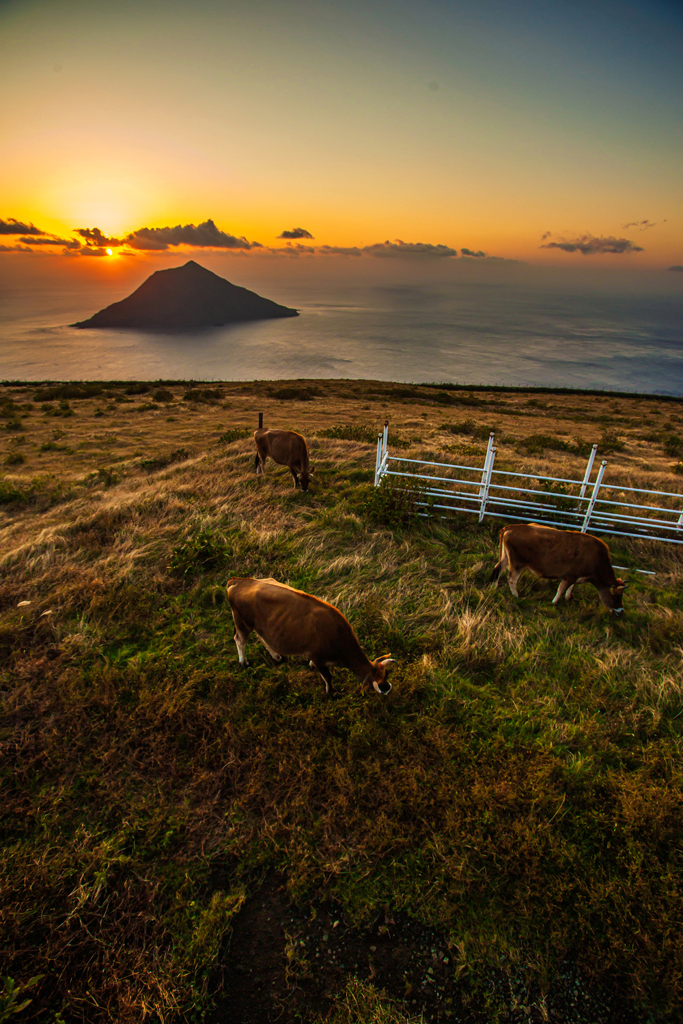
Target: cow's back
{"type": "Point", "coordinates": [293, 622]}
{"type": "Point", "coordinates": [285, 447]}
{"type": "Point", "coordinates": [551, 553]}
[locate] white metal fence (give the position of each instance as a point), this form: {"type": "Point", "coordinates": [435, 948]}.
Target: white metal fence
{"type": "Point", "coordinates": [585, 505]}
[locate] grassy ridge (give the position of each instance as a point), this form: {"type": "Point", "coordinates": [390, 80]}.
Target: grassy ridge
{"type": "Point", "coordinates": [521, 786]}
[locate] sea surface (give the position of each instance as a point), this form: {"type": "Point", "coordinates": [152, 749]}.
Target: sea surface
{"type": "Point", "coordinates": [471, 333]}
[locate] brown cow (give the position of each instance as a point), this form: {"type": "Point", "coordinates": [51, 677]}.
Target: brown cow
{"type": "Point", "coordinates": [567, 555]}
{"type": "Point", "coordinates": [287, 448]}
{"type": "Point", "coordinates": [290, 622]}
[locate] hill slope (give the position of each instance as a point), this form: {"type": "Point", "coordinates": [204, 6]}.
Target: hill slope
{"type": "Point", "coordinates": [186, 297]}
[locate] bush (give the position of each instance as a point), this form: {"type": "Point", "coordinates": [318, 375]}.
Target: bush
{"type": "Point", "coordinates": [293, 394]}
{"type": "Point", "coordinates": [205, 396]}
{"type": "Point", "coordinates": [448, 398]}
{"type": "Point", "coordinates": [609, 442]}
{"type": "Point", "coordinates": [673, 446]}
{"type": "Point", "coordinates": [15, 459]}
{"type": "Point", "coordinates": [536, 444]}
{"type": "Point", "coordinates": [201, 550]}
{"type": "Point", "coordinates": [350, 432]}
{"type": "Point", "coordinates": [138, 389]}
{"type": "Point", "coordinates": [470, 428]}
{"type": "Point", "coordinates": [233, 434]}
{"type": "Point", "coordinates": [357, 432]}
{"type": "Point", "coordinates": [161, 461]}
{"type": "Point", "coordinates": [395, 503]}
{"type": "Point", "coordinates": [65, 391]}
{"type": "Point", "coordinates": [162, 395]}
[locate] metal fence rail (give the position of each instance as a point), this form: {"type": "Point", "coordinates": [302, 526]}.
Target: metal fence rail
{"type": "Point", "coordinates": [554, 501]}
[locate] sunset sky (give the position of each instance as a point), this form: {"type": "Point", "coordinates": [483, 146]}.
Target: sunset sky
{"type": "Point", "coordinates": [547, 131]}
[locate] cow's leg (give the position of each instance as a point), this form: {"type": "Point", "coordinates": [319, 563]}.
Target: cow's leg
{"type": "Point", "coordinates": [500, 568]}
{"type": "Point", "coordinates": [565, 585]}
{"type": "Point", "coordinates": [260, 462]}
{"type": "Point", "coordinates": [295, 475]}
{"type": "Point", "coordinates": [513, 576]}
{"type": "Point", "coordinates": [242, 631]}
{"type": "Point", "coordinates": [581, 579]}
{"type": "Point", "coordinates": [274, 655]}
{"type": "Point", "coordinates": [326, 674]}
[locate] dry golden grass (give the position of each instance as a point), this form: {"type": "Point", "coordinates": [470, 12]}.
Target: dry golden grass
{"type": "Point", "coordinates": [521, 787]}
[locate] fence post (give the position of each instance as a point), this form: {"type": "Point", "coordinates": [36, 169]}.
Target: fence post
{"type": "Point", "coordinates": [587, 474]}
{"type": "Point", "coordinates": [594, 496]}
{"type": "Point", "coordinates": [260, 420]}
{"type": "Point", "coordinates": [486, 476]}
{"type": "Point", "coordinates": [378, 460]}
{"type": "Point", "coordinates": [385, 436]}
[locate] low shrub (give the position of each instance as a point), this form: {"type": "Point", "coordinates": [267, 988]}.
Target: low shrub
{"type": "Point", "coordinates": [161, 461]}
{"type": "Point", "coordinates": [610, 442]}
{"type": "Point", "coordinates": [293, 394]}
{"type": "Point", "coordinates": [138, 389]}
{"type": "Point", "coordinates": [673, 445]}
{"type": "Point", "coordinates": [204, 396]}
{"type": "Point", "coordinates": [470, 428]}
{"type": "Point", "coordinates": [350, 432]}
{"type": "Point", "coordinates": [203, 549]}
{"type": "Point", "coordinates": [363, 434]}
{"type": "Point", "coordinates": [536, 444]}
{"type": "Point", "coordinates": [162, 395]}
{"type": "Point", "coordinates": [66, 391]}
{"type": "Point", "coordinates": [15, 459]}
{"type": "Point", "coordinates": [234, 434]}
{"type": "Point", "coordinates": [395, 503]}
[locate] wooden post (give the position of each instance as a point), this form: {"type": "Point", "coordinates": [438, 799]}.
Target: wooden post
{"type": "Point", "coordinates": [260, 420]}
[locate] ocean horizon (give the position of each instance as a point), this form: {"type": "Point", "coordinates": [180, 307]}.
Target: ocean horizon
{"type": "Point", "coordinates": [494, 332]}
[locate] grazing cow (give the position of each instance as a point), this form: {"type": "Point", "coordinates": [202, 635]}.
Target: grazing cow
{"type": "Point", "coordinates": [287, 448]}
{"type": "Point", "coordinates": [567, 555]}
{"type": "Point", "coordinates": [288, 621]}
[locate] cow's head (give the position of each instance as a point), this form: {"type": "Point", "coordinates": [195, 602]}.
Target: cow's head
{"type": "Point", "coordinates": [379, 677]}
{"type": "Point", "coordinates": [304, 478]}
{"type": "Point", "coordinates": [617, 594]}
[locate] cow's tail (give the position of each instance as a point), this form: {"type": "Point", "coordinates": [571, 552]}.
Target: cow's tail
{"type": "Point", "coordinates": [502, 560]}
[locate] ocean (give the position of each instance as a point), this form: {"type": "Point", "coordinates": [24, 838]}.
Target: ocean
{"type": "Point", "coordinates": [468, 331]}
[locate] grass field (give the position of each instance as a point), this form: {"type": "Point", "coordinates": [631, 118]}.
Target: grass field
{"type": "Point", "coordinates": [518, 794]}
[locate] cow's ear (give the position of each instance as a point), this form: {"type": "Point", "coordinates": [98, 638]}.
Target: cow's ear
{"type": "Point", "coordinates": [387, 662]}
{"type": "Point", "coordinates": [622, 583]}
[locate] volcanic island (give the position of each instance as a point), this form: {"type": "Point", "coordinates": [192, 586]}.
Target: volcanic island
{"type": "Point", "coordinates": [183, 298]}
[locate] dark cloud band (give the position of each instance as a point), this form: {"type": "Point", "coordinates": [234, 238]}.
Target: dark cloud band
{"type": "Point", "coordinates": [296, 233]}
{"type": "Point", "coordinates": [17, 227]}
{"type": "Point", "coordinates": [203, 236]}
{"type": "Point", "coordinates": [589, 245]}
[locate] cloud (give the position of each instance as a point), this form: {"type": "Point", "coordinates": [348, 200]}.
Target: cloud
{"type": "Point", "coordinates": [395, 249]}
{"type": "Point", "coordinates": [70, 243]}
{"type": "Point", "coordinates": [588, 245]}
{"type": "Point", "coordinates": [643, 225]}
{"type": "Point", "coordinates": [469, 252]}
{"type": "Point", "coordinates": [15, 248]}
{"type": "Point", "coordinates": [678, 269]}
{"type": "Point", "coordinates": [296, 233]}
{"type": "Point", "coordinates": [17, 227]}
{"type": "Point", "coordinates": [91, 250]}
{"type": "Point", "coordinates": [204, 236]}
{"type": "Point", "coordinates": [339, 250]}
{"type": "Point", "coordinates": [400, 248]}
{"type": "Point", "coordinates": [93, 236]}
